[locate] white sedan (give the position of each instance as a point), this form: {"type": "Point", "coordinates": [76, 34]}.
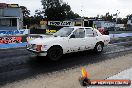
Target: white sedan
{"type": "Point", "coordinates": [68, 40]}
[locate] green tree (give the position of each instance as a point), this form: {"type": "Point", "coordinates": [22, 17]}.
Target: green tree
{"type": "Point", "coordinates": [57, 10]}
{"type": "Point", "coordinates": [129, 16]}
{"type": "Point", "coordinates": [108, 17]}
{"type": "Point", "coordinates": [119, 21]}
{"type": "Point", "coordinates": [25, 11]}
{"type": "Point", "coordinates": [26, 18]}
{"type": "Point", "coordinates": [124, 20]}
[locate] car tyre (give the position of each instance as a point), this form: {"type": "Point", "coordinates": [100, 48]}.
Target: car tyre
{"type": "Point", "coordinates": [98, 47]}
{"type": "Point", "coordinates": [55, 53]}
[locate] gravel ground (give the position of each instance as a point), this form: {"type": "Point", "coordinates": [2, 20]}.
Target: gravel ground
{"type": "Point", "coordinates": [69, 78]}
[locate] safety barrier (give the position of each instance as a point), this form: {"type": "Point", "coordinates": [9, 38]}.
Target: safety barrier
{"type": "Point", "coordinates": [16, 41]}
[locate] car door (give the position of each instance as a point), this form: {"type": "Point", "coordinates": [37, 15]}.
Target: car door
{"type": "Point", "coordinates": [91, 38]}
{"type": "Point", "coordinates": [77, 42]}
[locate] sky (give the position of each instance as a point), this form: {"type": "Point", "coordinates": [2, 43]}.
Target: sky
{"type": "Point", "coordinates": [88, 8]}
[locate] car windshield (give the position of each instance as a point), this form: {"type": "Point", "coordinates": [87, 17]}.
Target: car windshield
{"type": "Point", "coordinates": [63, 32]}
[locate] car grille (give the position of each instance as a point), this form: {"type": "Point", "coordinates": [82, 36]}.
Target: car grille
{"type": "Point", "coordinates": [32, 46]}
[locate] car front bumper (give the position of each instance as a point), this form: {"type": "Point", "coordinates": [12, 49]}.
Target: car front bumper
{"type": "Point", "coordinates": [41, 53]}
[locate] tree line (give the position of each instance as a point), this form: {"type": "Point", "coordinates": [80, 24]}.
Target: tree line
{"type": "Point", "coordinates": [57, 10]}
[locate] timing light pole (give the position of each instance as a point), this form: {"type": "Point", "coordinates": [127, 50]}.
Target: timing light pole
{"type": "Point", "coordinates": [82, 18]}
{"type": "Point", "coordinates": [117, 13]}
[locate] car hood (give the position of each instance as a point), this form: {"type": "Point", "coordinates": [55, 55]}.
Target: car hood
{"type": "Point", "coordinates": [43, 40]}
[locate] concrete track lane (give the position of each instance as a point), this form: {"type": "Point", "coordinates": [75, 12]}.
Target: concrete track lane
{"type": "Point", "coordinates": [18, 64]}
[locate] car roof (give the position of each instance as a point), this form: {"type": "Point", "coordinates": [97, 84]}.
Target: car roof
{"type": "Point", "coordinates": [77, 27]}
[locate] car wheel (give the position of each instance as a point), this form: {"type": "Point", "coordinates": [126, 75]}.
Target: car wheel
{"type": "Point", "coordinates": [55, 53]}
{"type": "Point", "coordinates": [98, 48]}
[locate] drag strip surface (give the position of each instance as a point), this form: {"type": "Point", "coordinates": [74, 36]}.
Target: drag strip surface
{"type": "Point", "coordinates": [19, 64]}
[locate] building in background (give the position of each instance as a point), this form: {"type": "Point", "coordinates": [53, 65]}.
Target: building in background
{"type": "Point", "coordinates": [86, 22]}
{"type": "Point", "coordinates": [129, 24]}
{"type": "Point", "coordinates": [129, 21]}
{"type": "Point", "coordinates": [11, 17]}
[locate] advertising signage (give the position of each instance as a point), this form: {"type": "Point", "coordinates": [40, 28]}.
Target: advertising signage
{"type": "Point", "coordinates": [13, 5]}
{"type": "Point", "coordinates": [60, 23]}
{"type": "Point", "coordinates": [4, 5]}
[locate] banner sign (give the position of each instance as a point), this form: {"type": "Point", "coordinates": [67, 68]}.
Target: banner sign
{"type": "Point", "coordinates": [14, 32]}
{"type": "Point", "coordinates": [109, 24]}
{"type": "Point", "coordinates": [4, 5]}
{"type": "Point", "coordinates": [7, 40]}
{"type": "Point", "coordinates": [61, 23]}
{"type": "Point", "coordinates": [51, 31]}
{"type": "Point", "coordinates": [78, 23]}
{"type": "Point", "coordinates": [13, 5]}
{"type": "Point", "coordinates": [43, 22]}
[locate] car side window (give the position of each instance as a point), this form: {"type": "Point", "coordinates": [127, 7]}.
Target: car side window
{"type": "Point", "coordinates": [95, 33]}
{"type": "Point", "coordinates": [91, 33]}
{"type": "Point", "coordinates": [79, 33]}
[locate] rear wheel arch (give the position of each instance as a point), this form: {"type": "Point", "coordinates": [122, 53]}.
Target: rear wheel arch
{"type": "Point", "coordinates": [100, 42]}
{"type": "Point", "coordinates": [99, 47]}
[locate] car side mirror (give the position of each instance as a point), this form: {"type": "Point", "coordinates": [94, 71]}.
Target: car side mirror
{"type": "Point", "coordinates": [72, 36]}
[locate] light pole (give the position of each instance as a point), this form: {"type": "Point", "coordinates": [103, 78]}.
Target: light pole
{"type": "Point", "coordinates": [117, 13]}
{"type": "Point", "coordinates": [82, 18]}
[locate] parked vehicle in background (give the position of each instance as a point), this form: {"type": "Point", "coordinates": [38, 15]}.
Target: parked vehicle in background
{"type": "Point", "coordinates": [68, 40]}
{"type": "Point", "coordinates": [103, 31]}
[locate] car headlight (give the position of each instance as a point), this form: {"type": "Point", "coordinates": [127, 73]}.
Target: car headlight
{"type": "Point", "coordinates": [38, 48]}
